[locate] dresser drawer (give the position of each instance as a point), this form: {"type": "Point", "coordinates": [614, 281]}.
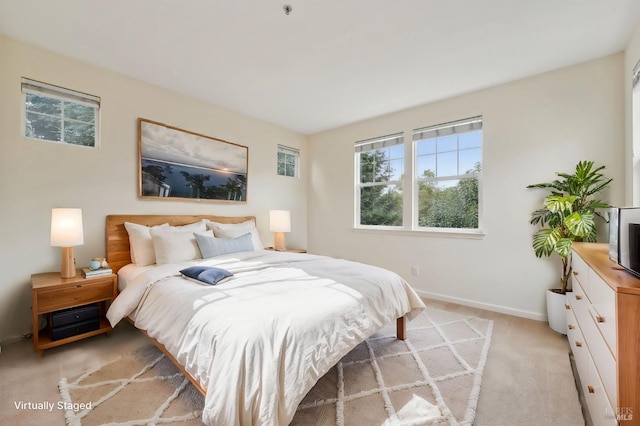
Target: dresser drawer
{"type": "Point", "coordinates": [80, 293]}
{"type": "Point", "coordinates": [578, 348]}
{"type": "Point", "coordinates": [577, 300]}
{"type": "Point", "coordinates": [592, 388]}
{"type": "Point", "coordinates": [580, 270]}
{"type": "Point", "coordinates": [603, 360]}
{"type": "Point", "coordinates": [600, 410]}
{"type": "Point", "coordinates": [603, 309]}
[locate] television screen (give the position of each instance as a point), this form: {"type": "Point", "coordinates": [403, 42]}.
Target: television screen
{"type": "Point", "coordinates": [629, 239]}
{"type": "Point", "coordinates": [613, 234]}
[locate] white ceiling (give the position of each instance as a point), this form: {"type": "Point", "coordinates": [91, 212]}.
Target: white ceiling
{"type": "Point", "coordinates": [328, 63]}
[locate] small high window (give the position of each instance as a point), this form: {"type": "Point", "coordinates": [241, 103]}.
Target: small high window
{"type": "Point", "coordinates": [61, 115]}
{"type": "Point", "coordinates": [288, 159]}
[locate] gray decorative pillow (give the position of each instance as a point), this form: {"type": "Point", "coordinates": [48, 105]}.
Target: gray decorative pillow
{"type": "Point", "coordinates": [212, 246]}
{"type": "Point", "coordinates": [206, 274]}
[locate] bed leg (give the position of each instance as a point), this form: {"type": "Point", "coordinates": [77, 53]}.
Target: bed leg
{"type": "Point", "coordinates": [401, 328]}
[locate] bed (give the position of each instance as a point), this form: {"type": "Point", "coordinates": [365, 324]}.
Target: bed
{"type": "Point", "coordinates": [257, 342]}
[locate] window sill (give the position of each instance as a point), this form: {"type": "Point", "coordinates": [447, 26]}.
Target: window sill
{"type": "Point", "coordinates": [443, 233]}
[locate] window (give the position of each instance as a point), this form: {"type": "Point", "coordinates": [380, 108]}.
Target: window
{"type": "Point", "coordinates": [288, 161]}
{"type": "Point", "coordinates": [448, 164]}
{"type": "Point", "coordinates": [60, 115]}
{"type": "Point", "coordinates": [380, 165]}
{"type": "Point", "coordinates": [442, 166]}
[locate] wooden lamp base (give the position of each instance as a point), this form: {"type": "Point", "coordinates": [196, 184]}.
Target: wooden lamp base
{"type": "Point", "coordinates": [278, 242]}
{"type": "Point", "coordinates": [68, 263]}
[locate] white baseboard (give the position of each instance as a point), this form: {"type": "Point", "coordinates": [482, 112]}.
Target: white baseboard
{"type": "Point", "coordinates": [481, 305]}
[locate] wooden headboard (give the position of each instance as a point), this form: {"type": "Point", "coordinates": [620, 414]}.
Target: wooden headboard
{"type": "Point", "coordinates": [118, 251]}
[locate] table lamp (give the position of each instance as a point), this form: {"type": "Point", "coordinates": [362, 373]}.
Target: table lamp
{"type": "Point", "coordinates": [66, 232]}
{"type": "Point", "coordinates": [279, 222]}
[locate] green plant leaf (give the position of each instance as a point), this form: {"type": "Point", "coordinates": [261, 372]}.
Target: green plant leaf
{"type": "Point", "coordinates": [545, 240]}
{"type": "Point", "coordinates": [580, 225]}
{"type": "Point", "coordinates": [563, 247]}
{"type": "Point", "coordinates": [559, 203]}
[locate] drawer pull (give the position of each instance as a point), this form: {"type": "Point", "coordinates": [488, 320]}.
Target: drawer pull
{"type": "Point", "coordinates": [567, 307]}
{"type": "Point", "coordinates": [600, 319]}
{"type": "Point", "coordinates": [575, 273]}
{"type": "Point", "coordinates": [578, 344]}
{"type": "Point", "coordinates": [578, 297]}
{"type": "Point", "coordinates": [79, 286]}
{"type": "Point", "coordinates": [591, 389]}
{"type": "Point", "coordinates": [570, 327]}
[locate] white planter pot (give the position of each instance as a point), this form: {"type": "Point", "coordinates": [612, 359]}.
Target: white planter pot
{"type": "Point", "coordinates": [556, 311]}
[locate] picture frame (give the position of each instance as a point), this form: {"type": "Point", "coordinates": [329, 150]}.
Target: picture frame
{"type": "Point", "coordinates": [177, 164]}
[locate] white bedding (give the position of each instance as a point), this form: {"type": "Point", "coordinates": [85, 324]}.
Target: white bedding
{"type": "Point", "coordinates": [127, 273]}
{"type": "Point", "coordinates": [258, 342]}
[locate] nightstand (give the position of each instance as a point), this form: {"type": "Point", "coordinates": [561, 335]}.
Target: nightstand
{"type": "Point", "coordinates": [56, 297]}
{"type": "Point", "coordinates": [289, 250]}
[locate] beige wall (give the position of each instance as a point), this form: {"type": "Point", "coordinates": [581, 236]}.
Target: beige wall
{"type": "Point", "coordinates": [532, 128]}
{"type": "Point", "coordinates": [36, 176]}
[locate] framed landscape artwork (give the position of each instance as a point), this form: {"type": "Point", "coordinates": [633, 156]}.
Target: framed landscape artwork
{"type": "Point", "coordinates": [179, 164]}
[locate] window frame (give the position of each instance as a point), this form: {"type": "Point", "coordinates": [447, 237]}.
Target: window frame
{"type": "Point", "coordinates": [38, 88]}
{"type": "Point", "coordinates": [474, 124]}
{"type": "Point", "coordinates": [287, 150]}
{"type": "Point", "coordinates": [392, 140]}
{"type": "Point", "coordinates": [411, 205]}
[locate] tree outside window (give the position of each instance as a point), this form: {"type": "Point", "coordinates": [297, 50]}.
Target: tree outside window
{"type": "Point", "coordinates": [288, 159]}
{"type": "Point", "coordinates": [446, 165]}
{"type": "Point", "coordinates": [60, 115]}
{"type": "Point", "coordinates": [381, 170]}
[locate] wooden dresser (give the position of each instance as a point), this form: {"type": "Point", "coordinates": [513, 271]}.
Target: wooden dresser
{"type": "Point", "coordinates": [603, 320]}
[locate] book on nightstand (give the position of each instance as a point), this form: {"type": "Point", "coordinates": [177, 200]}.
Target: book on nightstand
{"type": "Point", "coordinates": [88, 273]}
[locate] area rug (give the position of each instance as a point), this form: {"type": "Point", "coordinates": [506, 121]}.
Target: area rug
{"type": "Point", "coordinates": [432, 378]}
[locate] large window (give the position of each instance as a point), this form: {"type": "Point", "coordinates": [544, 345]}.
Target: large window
{"type": "Point", "coordinates": [380, 163]}
{"type": "Point", "coordinates": [60, 115]}
{"type": "Point", "coordinates": [442, 164]}
{"type": "Point", "coordinates": [448, 165]}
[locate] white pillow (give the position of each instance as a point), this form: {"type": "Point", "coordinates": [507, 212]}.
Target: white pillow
{"type": "Point", "coordinates": [140, 242]}
{"type": "Point", "coordinates": [234, 230]}
{"type": "Point", "coordinates": [176, 246]}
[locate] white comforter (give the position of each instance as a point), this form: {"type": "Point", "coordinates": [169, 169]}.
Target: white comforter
{"type": "Point", "coordinates": [258, 342]}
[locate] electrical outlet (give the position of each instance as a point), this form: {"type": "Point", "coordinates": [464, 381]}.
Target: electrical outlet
{"type": "Point", "coordinates": [415, 271]}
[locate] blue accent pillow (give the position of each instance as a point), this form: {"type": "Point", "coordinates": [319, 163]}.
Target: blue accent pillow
{"type": "Point", "coordinates": [213, 246]}
{"type": "Point", "coordinates": [206, 274]}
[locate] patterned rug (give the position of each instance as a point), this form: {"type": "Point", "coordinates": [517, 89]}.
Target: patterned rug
{"type": "Point", "coordinates": [432, 378]}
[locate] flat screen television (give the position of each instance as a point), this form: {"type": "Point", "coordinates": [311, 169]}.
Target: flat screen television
{"type": "Point", "coordinates": [624, 238]}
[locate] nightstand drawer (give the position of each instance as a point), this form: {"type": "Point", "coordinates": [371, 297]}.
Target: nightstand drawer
{"type": "Point", "coordinates": [79, 293]}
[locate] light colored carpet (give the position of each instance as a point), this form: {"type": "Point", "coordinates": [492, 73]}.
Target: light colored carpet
{"type": "Point", "coordinates": [433, 377]}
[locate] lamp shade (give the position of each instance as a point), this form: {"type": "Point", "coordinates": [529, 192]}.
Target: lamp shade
{"type": "Point", "coordinates": [66, 227]}
{"type": "Point", "coordinates": [280, 221]}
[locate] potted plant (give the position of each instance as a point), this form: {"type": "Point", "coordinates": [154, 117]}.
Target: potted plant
{"type": "Point", "coordinates": [568, 215]}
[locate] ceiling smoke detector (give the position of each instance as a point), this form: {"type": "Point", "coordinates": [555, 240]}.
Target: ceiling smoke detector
{"type": "Point", "coordinates": [287, 9]}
